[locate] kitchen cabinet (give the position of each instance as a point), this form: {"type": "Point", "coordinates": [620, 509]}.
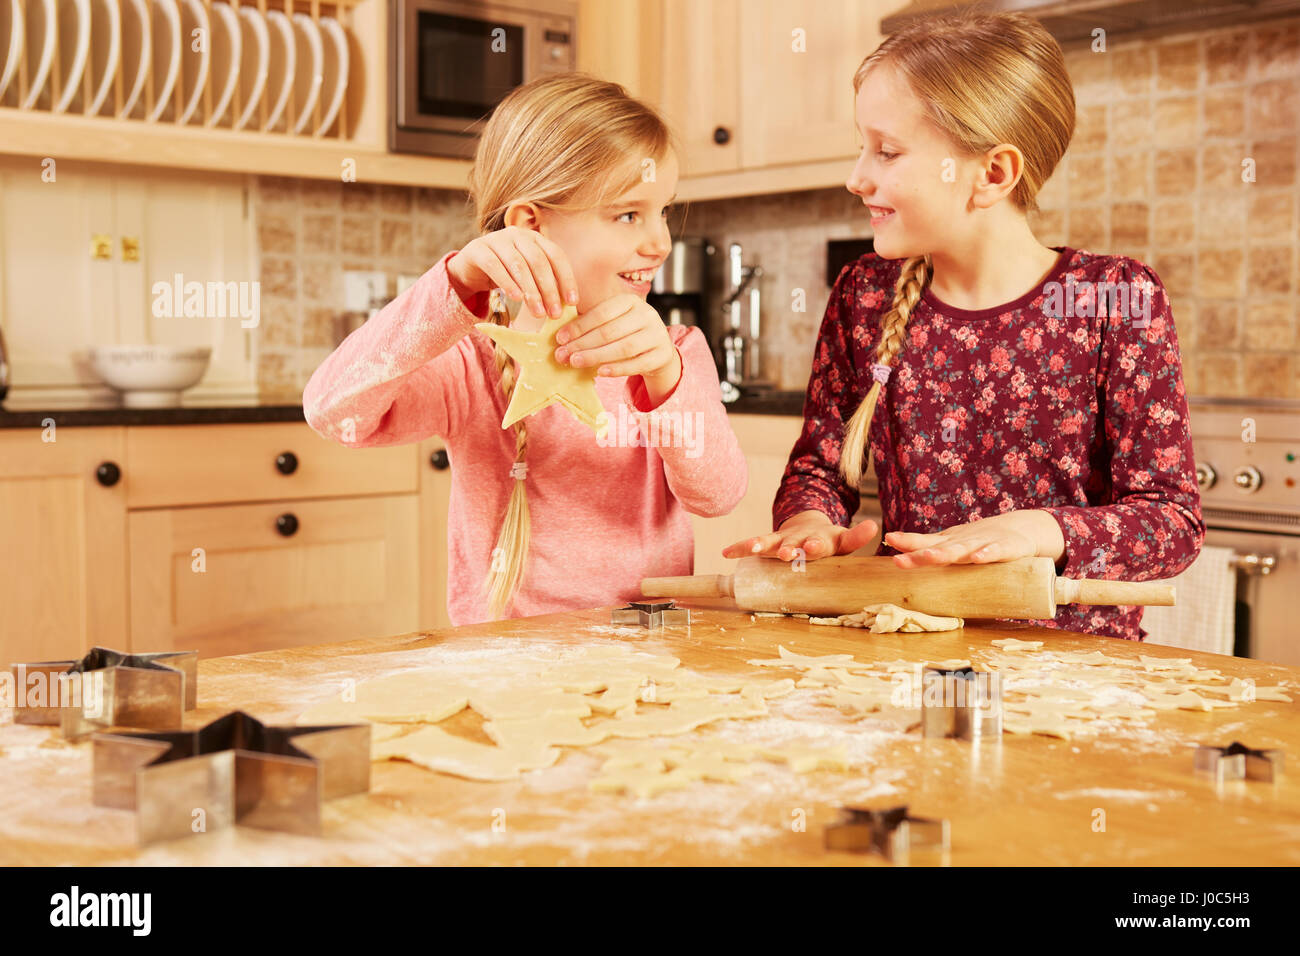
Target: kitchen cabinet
{"type": "Point", "coordinates": [435, 493]}
{"type": "Point", "coordinates": [759, 92]}
{"type": "Point", "coordinates": [62, 542]}
{"type": "Point", "coordinates": [88, 249]}
{"type": "Point", "coordinates": [227, 539]}
{"type": "Point", "coordinates": [766, 441]}
{"type": "Point", "coordinates": [234, 579]}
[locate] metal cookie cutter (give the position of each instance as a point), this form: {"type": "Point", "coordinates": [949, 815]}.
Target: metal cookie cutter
{"type": "Point", "coordinates": [963, 703]}
{"type": "Point", "coordinates": [107, 688]}
{"type": "Point", "coordinates": [1237, 762]}
{"type": "Point", "coordinates": [651, 614]}
{"type": "Point", "coordinates": [891, 832]}
{"type": "Point", "coordinates": [235, 770]}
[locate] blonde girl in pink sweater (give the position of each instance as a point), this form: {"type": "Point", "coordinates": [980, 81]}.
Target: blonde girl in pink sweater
{"type": "Point", "coordinates": [571, 187]}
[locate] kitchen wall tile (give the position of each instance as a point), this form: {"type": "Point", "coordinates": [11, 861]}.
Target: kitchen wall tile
{"type": "Point", "coordinates": [1275, 161]}
{"type": "Point", "coordinates": [1221, 273]}
{"type": "Point", "coordinates": [1271, 106]}
{"type": "Point", "coordinates": [1227, 56]}
{"type": "Point", "coordinates": [1132, 124]}
{"type": "Point", "coordinates": [279, 277]}
{"type": "Point", "coordinates": [1130, 224]}
{"type": "Point", "coordinates": [1263, 373]}
{"type": "Point", "coordinates": [277, 231]}
{"type": "Point", "coordinates": [1130, 175]}
{"type": "Point", "coordinates": [278, 323]}
{"type": "Point", "coordinates": [320, 232]}
{"type": "Point", "coordinates": [1272, 325]}
{"type": "Point", "coordinates": [320, 326]}
{"type": "Point", "coordinates": [1225, 112]}
{"type": "Point", "coordinates": [1220, 218]}
{"type": "Point", "coordinates": [359, 235]}
{"type": "Point", "coordinates": [394, 237]}
{"type": "Point", "coordinates": [1178, 66]}
{"type": "Point", "coordinates": [1090, 128]}
{"type": "Point", "coordinates": [321, 194]}
{"type": "Point", "coordinates": [1276, 50]}
{"type": "Point", "coordinates": [1133, 69]}
{"type": "Point", "coordinates": [360, 197]}
{"type": "Point", "coordinates": [1272, 214]}
{"type": "Point", "coordinates": [1221, 375]}
{"type": "Point", "coordinates": [1175, 173]}
{"type": "Point", "coordinates": [1270, 269]}
{"type": "Point", "coordinates": [1174, 224]}
{"type": "Point", "coordinates": [1177, 120]}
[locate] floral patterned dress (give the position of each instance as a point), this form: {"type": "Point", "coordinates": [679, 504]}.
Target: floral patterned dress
{"type": "Point", "coordinates": [1069, 400]}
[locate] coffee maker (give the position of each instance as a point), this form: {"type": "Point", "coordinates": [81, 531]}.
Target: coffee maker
{"type": "Point", "coordinates": [679, 292]}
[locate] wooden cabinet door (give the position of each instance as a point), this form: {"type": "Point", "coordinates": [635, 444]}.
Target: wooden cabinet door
{"type": "Point", "coordinates": [435, 493]}
{"type": "Point", "coordinates": [224, 580]}
{"type": "Point", "coordinates": [63, 544]}
{"type": "Point", "coordinates": [766, 441]}
{"type": "Point", "coordinates": [796, 73]}
{"type": "Point", "coordinates": [701, 73]}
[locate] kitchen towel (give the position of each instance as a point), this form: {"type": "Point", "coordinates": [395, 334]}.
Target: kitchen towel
{"type": "Point", "coordinates": [1203, 618]}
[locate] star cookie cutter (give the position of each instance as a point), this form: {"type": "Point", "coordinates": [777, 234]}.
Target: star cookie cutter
{"type": "Point", "coordinates": [107, 688]}
{"type": "Point", "coordinates": [1239, 762]}
{"type": "Point", "coordinates": [891, 831]}
{"type": "Point", "coordinates": [652, 614]}
{"type": "Point", "coordinates": [962, 702]}
{"type": "Point", "coordinates": [233, 770]}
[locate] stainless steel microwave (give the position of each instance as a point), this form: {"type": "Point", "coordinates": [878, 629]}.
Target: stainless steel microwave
{"type": "Point", "coordinates": [452, 61]}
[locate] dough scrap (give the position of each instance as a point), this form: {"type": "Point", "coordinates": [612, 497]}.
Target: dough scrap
{"type": "Point", "coordinates": [435, 749]}
{"type": "Point", "coordinates": [543, 731]}
{"type": "Point", "coordinates": [791, 659]}
{"type": "Point", "coordinates": [806, 759]}
{"type": "Point", "coordinates": [682, 716]}
{"type": "Point", "coordinates": [542, 380]}
{"type": "Point", "coordinates": [642, 781]}
{"type": "Point", "coordinates": [890, 618]}
{"type": "Point", "coordinates": [1012, 644]}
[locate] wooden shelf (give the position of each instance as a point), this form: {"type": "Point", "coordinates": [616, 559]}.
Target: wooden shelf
{"type": "Point", "coordinates": [137, 143]}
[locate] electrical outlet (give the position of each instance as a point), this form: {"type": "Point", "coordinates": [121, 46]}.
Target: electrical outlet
{"type": "Point", "coordinates": [359, 288]}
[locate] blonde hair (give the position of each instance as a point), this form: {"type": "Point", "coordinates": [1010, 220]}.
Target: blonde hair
{"type": "Point", "coordinates": [566, 142]}
{"type": "Point", "coordinates": [982, 79]}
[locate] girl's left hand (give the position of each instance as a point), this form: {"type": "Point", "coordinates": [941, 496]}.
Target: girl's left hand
{"type": "Point", "coordinates": [1017, 534]}
{"type": "Point", "coordinates": [622, 336]}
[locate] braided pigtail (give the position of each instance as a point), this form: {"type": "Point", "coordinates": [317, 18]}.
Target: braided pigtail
{"type": "Point", "coordinates": [511, 551]}
{"type": "Point", "coordinates": [912, 280]}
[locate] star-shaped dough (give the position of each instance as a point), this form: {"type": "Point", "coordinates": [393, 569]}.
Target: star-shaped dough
{"type": "Point", "coordinates": [542, 380]}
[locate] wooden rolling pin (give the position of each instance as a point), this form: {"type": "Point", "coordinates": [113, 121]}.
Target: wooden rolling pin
{"type": "Point", "coordinates": [1026, 588]}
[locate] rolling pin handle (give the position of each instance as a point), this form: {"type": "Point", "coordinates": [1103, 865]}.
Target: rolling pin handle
{"type": "Point", "coordinates": [1114, 593]}
{"type": "Point", "coordinates": [698, 585]}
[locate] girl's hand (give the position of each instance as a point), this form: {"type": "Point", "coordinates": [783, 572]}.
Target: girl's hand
{"type": "Point", "coordinates": [522, 263]}
{"type": "Point", "coordinates": [810, 531]}
{"type": "Point", "coordinates": [622, 336]}
{"type": "Point", "coordinates": [1006, 537]}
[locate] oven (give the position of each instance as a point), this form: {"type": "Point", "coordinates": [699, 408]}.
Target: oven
{"type": "Point", "coordinates": [452, 61]}
{"type": "Point", "coordinates": [1248, 469]}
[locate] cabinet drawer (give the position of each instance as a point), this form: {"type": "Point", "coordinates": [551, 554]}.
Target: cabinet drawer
{"type": "Point", "coordinates": [226, 580]}
{"type": "Point", "coordinates": [210, 464]}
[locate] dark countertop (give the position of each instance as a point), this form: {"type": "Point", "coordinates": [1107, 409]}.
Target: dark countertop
{"type": "Point", "coordinates": [81, 417]}
{"type": "Point", "coordinates": [768, 403]}
{"type": "Point", "coordinates": [762, 403]}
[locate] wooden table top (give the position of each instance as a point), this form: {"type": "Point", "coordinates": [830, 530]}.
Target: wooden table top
{"type": "Point", "coordinates": [1021, 800]}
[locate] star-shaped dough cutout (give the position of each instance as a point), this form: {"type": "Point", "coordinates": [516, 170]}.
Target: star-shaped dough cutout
{"type": "Point", "coordinates": [544, 381]}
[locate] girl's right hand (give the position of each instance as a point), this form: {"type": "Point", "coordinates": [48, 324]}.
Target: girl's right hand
{"type": "Point", "coordinates": [522, 263]}
{"type": "Point", "coordinates": [810, 531]}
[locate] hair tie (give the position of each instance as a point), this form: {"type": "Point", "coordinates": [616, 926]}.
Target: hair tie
{"type": "Point", "coordinates": [880, 372]}
{"type": "Point", "coordinates": [519, 470]}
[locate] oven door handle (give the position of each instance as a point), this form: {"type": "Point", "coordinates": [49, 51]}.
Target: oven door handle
{"type": "Point", "coordinates": [1254, 563]}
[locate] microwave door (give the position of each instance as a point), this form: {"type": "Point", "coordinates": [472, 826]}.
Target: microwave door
{"type": "Point", "coordinates": [456, 69]}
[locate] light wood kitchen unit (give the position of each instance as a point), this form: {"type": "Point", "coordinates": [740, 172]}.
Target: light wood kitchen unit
{"type": "Point", "coordinates": [235, 538]}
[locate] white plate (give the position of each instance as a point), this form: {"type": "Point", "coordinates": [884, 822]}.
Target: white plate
{"type": "Point", "coordinates": [137, 48]}
{"type": "Point", "coordinates": [284, 58]}
{"type": "Point", "coordinates": [166, 48]}
{"type": "Point", "coordinates": [16, 29]}
{"type": "Point", "coordinates": [105, 50]}
{"type": "Point", "coordinates": [226, 44]}
{"type": "Point", "coordinates": [74, 50]}
{"type": "Point", "coordinates": [255, 62]}
{"type": "Point", "coordinates": [307, 78]}
{"type": "Point", "coordinates": [336, 72]}
{"type": "Point", "coordinates": [41, 32]}
{"type": "Point", "coordinates": [195, 63]}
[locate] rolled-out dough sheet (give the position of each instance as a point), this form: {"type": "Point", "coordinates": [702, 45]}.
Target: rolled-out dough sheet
{"type": "Point", "coordinates": [423, 696]}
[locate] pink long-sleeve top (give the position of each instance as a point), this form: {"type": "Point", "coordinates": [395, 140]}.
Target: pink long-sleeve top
{"type": "Point", "coordinates": [603, 513]}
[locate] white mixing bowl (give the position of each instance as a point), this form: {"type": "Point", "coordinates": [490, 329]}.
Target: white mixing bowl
{"type": "Point", "coordinates": [150, 376]}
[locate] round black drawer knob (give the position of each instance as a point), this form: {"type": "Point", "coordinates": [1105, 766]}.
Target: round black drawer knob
{"type": "Point", "coordinates": [108, 474]}
{"type": "Point", "coordinates": [286, 463]}
{"type": "Point", "coordinates": [286, 524]}
{"type": "Point", "coordinates": [722, 136]}
{"type": "Point", "coordinates": [439, 460]}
